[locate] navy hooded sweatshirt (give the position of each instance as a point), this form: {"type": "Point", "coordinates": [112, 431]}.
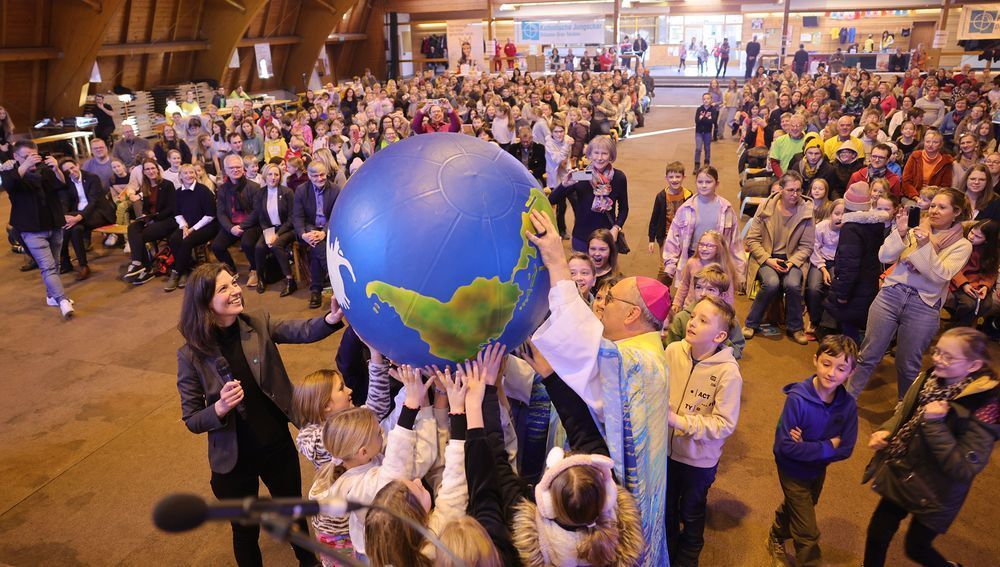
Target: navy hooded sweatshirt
{"type": "Point", "coordinates": [819, 423]}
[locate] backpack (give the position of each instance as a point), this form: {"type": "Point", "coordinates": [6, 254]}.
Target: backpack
{"type": "Point", "coordinates": [163, 261]}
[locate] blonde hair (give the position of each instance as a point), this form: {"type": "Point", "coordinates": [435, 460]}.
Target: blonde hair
{"type": "Point", "coordinates": [722, 255]}
{"type": "Point", "coordinates": [467, 539]}
{"type": "Point", "coordinates": [313, 394]}
{"type": "Point", "coordinates": [714, 275]}
{"type": "Point", "coordinates": [605, 142]}
{"type": "Point", "coordinates": [344, 434]}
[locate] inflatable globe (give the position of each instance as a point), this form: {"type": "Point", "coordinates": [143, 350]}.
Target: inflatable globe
{"type": "Point", "coordinates": [427, 250]}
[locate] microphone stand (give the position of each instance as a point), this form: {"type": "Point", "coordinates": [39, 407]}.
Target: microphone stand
{"type": "Point", "coordinates": [282, 528]}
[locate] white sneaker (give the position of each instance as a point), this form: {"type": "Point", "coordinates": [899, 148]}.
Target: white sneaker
{"type": "Point", "coordinates": [128, 249]}
{"type": "Point", "coordinates": [66, 307]}
{"type": "Point", "coordinates": [111, 240]}
{"type": "Point", "coordinates": [51, 301]}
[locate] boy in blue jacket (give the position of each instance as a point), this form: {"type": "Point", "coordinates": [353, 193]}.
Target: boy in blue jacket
{"type": "Point", "coordinates": [818, 426]}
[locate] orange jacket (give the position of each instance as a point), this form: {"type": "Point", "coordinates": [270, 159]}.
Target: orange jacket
{"type": "Point", "coordinates": [913, 174]}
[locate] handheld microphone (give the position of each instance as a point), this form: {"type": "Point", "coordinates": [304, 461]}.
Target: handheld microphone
{"type": "Point", "coordinates": [183, 512]}
{"type": "Point", "coordinates": [222, 367]}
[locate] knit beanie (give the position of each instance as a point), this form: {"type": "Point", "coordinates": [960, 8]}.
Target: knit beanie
{"type": "Point", "coordinates": [856, 198]}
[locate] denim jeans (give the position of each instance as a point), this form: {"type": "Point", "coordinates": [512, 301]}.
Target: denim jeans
{"type": "Point", "coordinates": [687, 498]}
{"type": "Point", "coordinates": [897, 310]}
{"type": "Point", "coordinates": [816, 292]}
{"type": "Point", "coordinates": [702, 140]}
{"type": "Point", "coordinates": [45, 247]}
{"type": "Point", "coordinates": [771, 284]}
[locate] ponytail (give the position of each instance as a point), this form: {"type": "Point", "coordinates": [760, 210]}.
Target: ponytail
{"type": "Point", "coordinates": [598, 546]}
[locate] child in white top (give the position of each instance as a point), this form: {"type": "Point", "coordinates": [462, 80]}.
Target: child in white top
{"type": "Point", "coordinates": [821, 275]}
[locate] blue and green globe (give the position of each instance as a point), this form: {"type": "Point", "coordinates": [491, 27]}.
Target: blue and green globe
{"type": "Point", "coordinates": [427, 250]}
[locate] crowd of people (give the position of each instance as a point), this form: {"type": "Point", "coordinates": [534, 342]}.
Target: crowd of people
{"type": "Point", "coordinates": [267, 177]}
{"type": "Point", "coordinates": [559, 452]}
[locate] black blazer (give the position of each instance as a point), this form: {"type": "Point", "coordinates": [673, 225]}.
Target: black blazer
{"type": "Point", "coordinates": [166, 202]}
{"type": "Point", "coordinates": [246, 194]}
{"type": "Point", "coordinates": [304, 213]}
{"type": "Point", "coordinates": [92, 187]}
{"type": "Point", "coordinates": [199, 383]}
{"type": "Point", "coordinates": [536, 158]}
{"type": "Point", "coordinates": [286, 204]}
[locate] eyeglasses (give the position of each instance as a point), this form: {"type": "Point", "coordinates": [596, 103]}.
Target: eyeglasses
{"type": "Point", "coordinates": [707, 245]}
{"type": "Point", "coordinates": [609, 298]}
{"type": "Point", "coordinates": [880, 158]}
{"type": "Point", "coordinates": [944, 358]}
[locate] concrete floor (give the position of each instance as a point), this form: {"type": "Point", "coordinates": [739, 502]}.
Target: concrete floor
{"type": "Point", "coordinates": [92, 439]}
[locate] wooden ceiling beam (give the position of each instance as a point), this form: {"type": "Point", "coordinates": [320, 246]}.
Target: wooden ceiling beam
{"type": "Point", "coordinates": [8, 54]}
{"type": "Point", "coordinates": [130, 49]}
{"type": "Point", "coordinates": [273, 40]}
{"type": "Point", "coordinates": [223, 26]}
{"type": "Point", "coordinates": [317, 20]}
{"type": "Point", "coordinates": [68, 76]}
{"type": "Point", "coordinates": [96, 5]}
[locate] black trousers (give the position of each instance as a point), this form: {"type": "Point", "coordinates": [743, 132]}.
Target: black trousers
{"type": "Point", "coordinates": [102, 215]}
{"type": "Point", "coordinates": [918, 544]}
{"type": "Point", "coordinates": [139, 233]}
{"type": "Point", "coordinates": [317, 265]}
{"type": "Point", "coordinates": [687, 500]}
{"type": "Point", "coordinates": [279, 249]}
{"type": "Point", "coordinates": [278, 468]}
{"type": "Point", "coordinates": [352, 363]}
{"type": "Point", "coordinates": [248, 240]}
{"type": "Point", "coordinates": [183, 248]}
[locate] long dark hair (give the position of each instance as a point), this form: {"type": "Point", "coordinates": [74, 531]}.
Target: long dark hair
{"type": "Point", "coordinates": [198, 322]}
{"type": "Point", "coordinates": [989, 256]}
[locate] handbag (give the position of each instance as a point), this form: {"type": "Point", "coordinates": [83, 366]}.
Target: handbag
{"type": "Point", "coordinates": [620, 243]}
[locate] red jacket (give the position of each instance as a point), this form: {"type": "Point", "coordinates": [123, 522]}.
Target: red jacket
{"type": "Point", "coordinates": [510, 50]}
{"type": "Point", "coordinates": [895, 186]}
{"type": "Point", "coordinates": [913, 174]}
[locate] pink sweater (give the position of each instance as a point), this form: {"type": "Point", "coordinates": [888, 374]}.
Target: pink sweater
{"type": "Point", "coordinates": [685, 284]}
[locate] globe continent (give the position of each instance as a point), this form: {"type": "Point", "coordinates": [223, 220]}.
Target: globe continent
{"type": "Point", "coordinates": [427, 250]}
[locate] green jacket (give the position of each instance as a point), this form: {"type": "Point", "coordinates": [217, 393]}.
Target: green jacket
{"type": "Point", "coordinates": [944, 455]}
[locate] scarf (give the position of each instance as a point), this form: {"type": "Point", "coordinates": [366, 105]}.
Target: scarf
{"type": "Point", "coordinates": [934, 389]}
{"type": "Point", "coordinates": [809, 171]}
{"type": "Point", "coordinates": [939, 240]}
{"type": "Point", "coordinates": [600, 183]}
{"type": "Point", "coordinates": [877, 172]}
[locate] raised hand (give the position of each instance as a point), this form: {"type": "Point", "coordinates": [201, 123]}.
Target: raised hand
{"type": "Point", "coordinates": [529, 353]}
{"type": "Point", "coordinates": [475, 383]}
{"type": "Point", "coordinates": [455, 388]}
{"type": "Point", "coordinates": [416, 389]}
{"type": "Point", "coordinates": [489, 360]}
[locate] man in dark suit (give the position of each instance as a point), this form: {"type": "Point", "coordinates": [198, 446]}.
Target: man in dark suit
{"type": "Point", "coordinates": [528, 152]}
{"type": "Point", "coordinates": [274, 209]}
{"type": "Point", "coordinates": [639, 47]}
{"type": "Point", "coordinates": [235, 201]}
{"type": "Point", "coordinates": [310, 216]}
{"type": "Point", "coordinates": [88, 206]}
{"type": "Point", "coordinates": [753, 50]}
